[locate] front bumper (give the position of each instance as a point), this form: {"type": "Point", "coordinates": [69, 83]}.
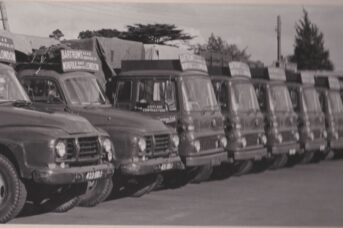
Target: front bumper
{"type": "Point", "coordinates": [212, 159]}
{"type": "Point", "coordinates": [59, 176]}
{"type": "Point", "coordinates": [249, 154]}
{"type": "Point", "coordinates": [286, 148]}
{"type": "Point", "coordinates": [317, 145]}
{"type": "Point", "coordinates": [336, 144]}
{"type": "Point", "coordinates": [155, 165]}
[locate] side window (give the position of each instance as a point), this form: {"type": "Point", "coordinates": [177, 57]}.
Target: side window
{"type": "Point", "coordinates": [321, 95]}
{"type": "Point", "coordinates": [221, 92]}
{"type": "Point", "coordinates": [294, 94]}
{"type": "Point", "coordinates": [43, 91]}
{"type": "Point", "coordinates": [156, 96]}
{"type": "Point", "coordinates": [261, 94]}
{"type": "Point", "coordinates": [124, 91]}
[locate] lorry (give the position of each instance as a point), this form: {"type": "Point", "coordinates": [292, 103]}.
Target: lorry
{"type": "Point", "coordinates": [330, 99]}
{"type": "Point", "coordinates": [45, 157]}
{"type": "Point", "coordinates": [311, 118]}
{"type": "Point", "coordinates": [280, 119]}
{"type": "Point", "coordinates": [146, 147]}
{"type": "Point", "coordinates": [179, 93]}
{"type": "Point", "coordinates": [244, 122]}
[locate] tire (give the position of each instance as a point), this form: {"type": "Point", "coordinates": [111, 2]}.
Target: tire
{"type": "Point", "coordinates": [176, 179]}
{"type": "Point", "coordinates": [307, 157]}
{"type": "Point", "coordinates": [143, 185]}
{"type": "Point", "coordinates": [70, 204]}
{"type": "Point", "coordinates": [329, 155]}
{"type": "Point", "coordinates": [97, 192]}
{"type": "Point", "coordinates": [12, 191]}
{"type": "Point", "coordinates": [243, 167]}
{"type": "Point", "coordinates": [200, 174]}
{"type": "Point", "coordinates": [222, 171]}
{"type": "Point", "coordinates": [278, 161]}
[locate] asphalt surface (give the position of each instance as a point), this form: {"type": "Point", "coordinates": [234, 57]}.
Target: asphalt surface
{"type": "Point", "coordinates": [303, 195]}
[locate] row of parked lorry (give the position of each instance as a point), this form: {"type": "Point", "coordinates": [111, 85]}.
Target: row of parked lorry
{"type": "Point", "coordinates": [66, 139]}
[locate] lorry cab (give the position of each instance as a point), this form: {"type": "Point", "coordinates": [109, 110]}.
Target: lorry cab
{"type": "Point", "coordinates": [179, 93]}
{"type": "Point", "coordinates": [280, 118]}
{"type": "Point", "coordinates": [311, 118]}
{"type": "Point", "coordinates": [330, 99]}
{"type": "Point", "coordinates": [244, 122]}
{"type": "Point", "coordinates": [146, 147]}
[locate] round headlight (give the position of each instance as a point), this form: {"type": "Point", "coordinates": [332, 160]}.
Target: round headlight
{"type": "Point", "coordinates": [325, 134]}
{"type": "Point", "coordinates": [297, 136]}
{"type": "Point", "coordinates": [108, 148]}
{"type": "Point", "coordinates": [279, 138]}
{"type": "Point", "coordinates": [61, 148]}
{"type": "Point", "coordinates": [175, 140]}
{"type": "Point", "coordinates": [243, 142]}
{"type": "Point", "coordinates": [264, 139]}
{"type": "Point", "coordinates": [223, 142]}
{"type": "Point", "coordinates": [141, 144]}
{"type": "Point", "coordinates": [336, 135]}
{"type": "Point", "coordinates": [196, 145]}
{"type": "Point", "coordinates": [311, 136]}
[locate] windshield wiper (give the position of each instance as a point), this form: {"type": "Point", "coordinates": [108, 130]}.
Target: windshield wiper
{"type": "Point", "coordinates": [22, 103]}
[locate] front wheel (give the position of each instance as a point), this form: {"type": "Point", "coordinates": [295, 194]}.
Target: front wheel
{"type": "Point", "coordinates": [97, 192]}
{"type": "Point", "coordinates": [307, 157]}
{"type": "Point", "coordinates": [278, 161]}
{"type": "Point", "coordinates": [140, 186]}
{"type": "Point", "coordinates": [243, 167]}
{"type": "Point", "coordinates": [200, 174]}
{"type": "Point", "coordinates": [12, 191]}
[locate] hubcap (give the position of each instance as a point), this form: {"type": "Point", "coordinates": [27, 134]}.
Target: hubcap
{"type": "Point", "coordinates": [3, 189]}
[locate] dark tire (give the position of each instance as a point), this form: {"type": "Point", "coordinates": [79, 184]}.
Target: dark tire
{"type": "Point", "coordinates": [97, 192]}
{"type": "Point", "coordinates": [143, 185]}
{"type": "Point", "coordinates": [200, 174]}
{"type": "Point", "coordinates": [329, 155]}
{"type": "Point", "coordinates": [175, 179]}
{"type": "Point", "coordinates": [307, 157]}
{"type": "Point", "coordinates": [12, 191]}
{"type": "Point", "coordinates": [278, 161]}
{"type": "Point", "coordinates": [66, 206]}
{"type": "Point", "coordinates": [243, 167]}
{"type": "Point", "coordinates": [221, 172]}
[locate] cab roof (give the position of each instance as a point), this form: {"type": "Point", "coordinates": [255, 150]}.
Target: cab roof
{"type": "Point", "coordinates": [329, 82]}
{"type": "Point", "coordinates": [302, 77]}
{"type": "Point", "coordinates": [268, 73]}
{"type": "Point", "coordinates": [233, 69]}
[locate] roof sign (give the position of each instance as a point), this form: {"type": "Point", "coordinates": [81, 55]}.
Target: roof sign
{"type": "Point", "coordinates": [307, 77]}
{"type": "Point", "coordinates": [276, 73]}
{"type": "Point", "coordinates": [78, 60]}
{"type": "Point", "coordinates": [7, 53]}
{"type": "Point", "coordinates": [193, 62]}
{"type": "Point", "coordinates": [333, 83]}
{"type": "Point", "coordinates": [239, 69]}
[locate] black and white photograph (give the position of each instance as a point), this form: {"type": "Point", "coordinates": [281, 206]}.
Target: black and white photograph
{"type": "Point", "coordinates": [176, 113]}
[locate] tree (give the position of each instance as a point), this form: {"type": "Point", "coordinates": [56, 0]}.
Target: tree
{"type": "Point", "coordinates": [216, 46]}
{"type": "Point", "coordinates": [102, 33]}
{"type": "Point", "coordinates": [309, 51]}
{"type": "Point", "coordinates": [154, 33]}
{"type": "Point", "coordinates": [57, 34]}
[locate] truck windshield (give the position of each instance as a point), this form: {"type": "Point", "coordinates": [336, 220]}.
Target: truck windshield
{"type": "Point", "coordinates": [84, 91]}
{"type": "Point", "coordinates": [281, 101]}
{"type": "Point", "coordinates": [10, 88]}
{"type": "Point", "coordinates": [198, 94]}
{"type": "Point", "coordinates": [335, 102]}
{"type": "Point", "coordinates": [312, 100]}
{"type": "Point", "coordinates": [244, 97]}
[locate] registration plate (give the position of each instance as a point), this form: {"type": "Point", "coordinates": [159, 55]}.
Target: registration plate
{"type": "Point", "coordinates": [94, 175]}
{"type": "Point", "coordinates": [292, 151]}
{"type": "Point", "coordinates": [166, 166]}
{"type": "Point", "coordinates": [322, 147]}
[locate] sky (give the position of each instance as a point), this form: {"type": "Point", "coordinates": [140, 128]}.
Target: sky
{"type": "Point", "coordinates": [248, 26]}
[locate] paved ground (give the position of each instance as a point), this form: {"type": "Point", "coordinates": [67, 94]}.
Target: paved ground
{"type": "Point", "coordinates": [303, 195]}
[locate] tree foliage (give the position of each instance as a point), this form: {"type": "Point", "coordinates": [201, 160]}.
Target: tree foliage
{"type": "Point", "coordinates": [145, 33]}
{"type": "Point", "coordinates": [217, 46]}
{"type": "Point", "coordinates": [57, 34]}
{"type": "Point", "coordinates": [309, 51]}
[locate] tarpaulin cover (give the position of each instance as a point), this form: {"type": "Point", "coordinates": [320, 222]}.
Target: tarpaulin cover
{"type": "Point", "coordinates": [162, 52]}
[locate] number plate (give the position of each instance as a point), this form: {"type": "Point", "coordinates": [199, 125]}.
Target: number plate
{"type": "Point", "coordinates": [322, 147]}
{"type": "Point", "coordinates": [94, 175]}
{"type": "Point", "coordinates": [292, 151]}
{"type": "Point", "coordinates": [166, 166]}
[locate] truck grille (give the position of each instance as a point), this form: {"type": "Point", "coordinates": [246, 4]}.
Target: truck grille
{"type": "Point", "coordinates": [83, 150]}
{"type": "Point", "coordinates": [317, 134]}
{"type": "Point", "coordinates": [287, 136]}
{"type": "Point", "coordinates": [252, 139]}
{"type": "Point", "coordinates": [157, 144]}
{"type": "Point", "coordinates": [208, 143]}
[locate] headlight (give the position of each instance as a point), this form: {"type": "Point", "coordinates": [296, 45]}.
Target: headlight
{"type": "Point", "coordinates": [223, 142]}
{"type": "Point", "coordinates": [264, 139]}
{"type": "Point", "coordinates": [296, 136]}
{"type": "Point", "coordinates": [61, 148]}
{"type": "Point", "coordinates": [279, 138]}
{"type": "Point", "coordinates": [311, 135]}
{"type": "Point", "coordinates": [108, 148]}
{"type": "Point", "coordinates": [141, 144]}
{"type": "Point", "coordinates": [175, 140]}
{"type": "Point", "coordinates": [325, 134]}
{"type": "Point", "coordinates": [336, 135]}
{"type": "Point", "coordinates": [243, 142]}
{"type": "Point", "coordinates": [196, 145]}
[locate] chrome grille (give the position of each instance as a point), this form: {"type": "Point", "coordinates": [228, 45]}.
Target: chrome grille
{"type": "Point", "coordinates": [252, 139]}
{"type": "Point", "coordinates": [157, 144]}
{"type": "Point", "coordinates": [82, 150]}
{"type": "Point", "coordinates": [208, 143]}
{"type": "Point", "coordinates": [287, 136]}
